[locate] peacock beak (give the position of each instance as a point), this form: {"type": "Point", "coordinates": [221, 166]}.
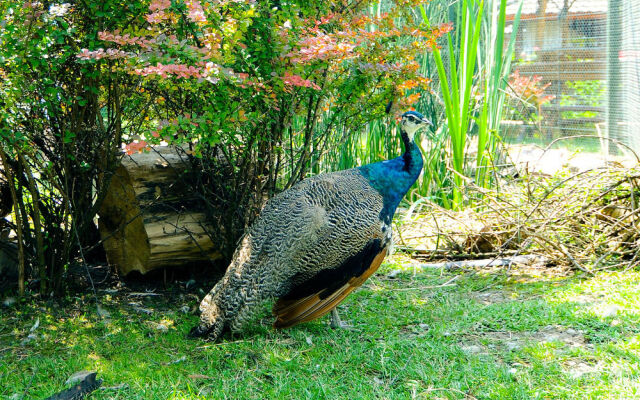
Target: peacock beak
{"type": "Point", "coordinates": [427, 124]}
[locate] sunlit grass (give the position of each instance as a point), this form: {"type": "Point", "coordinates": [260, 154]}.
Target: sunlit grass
{"type": "Point", "coordinates": [488, 336]}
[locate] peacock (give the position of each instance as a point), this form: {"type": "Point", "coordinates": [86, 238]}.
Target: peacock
{"type": "Point", "coordinates": [314, 243]}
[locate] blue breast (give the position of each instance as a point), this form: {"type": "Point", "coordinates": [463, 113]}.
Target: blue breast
{"type": "Point", "coordinates": [393, 178]}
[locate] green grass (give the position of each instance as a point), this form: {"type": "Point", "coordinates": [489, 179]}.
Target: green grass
{"type": "Point", "coordinates": [484, 336]}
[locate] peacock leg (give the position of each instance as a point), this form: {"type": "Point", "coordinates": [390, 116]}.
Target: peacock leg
{"type": "Point", "coordinates": [336, 322]}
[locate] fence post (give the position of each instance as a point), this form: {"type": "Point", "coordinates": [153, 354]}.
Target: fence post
{"type": "Point", "coordinates": [615, 129]}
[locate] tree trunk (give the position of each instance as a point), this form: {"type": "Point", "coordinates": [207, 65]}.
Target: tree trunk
{"type": "Point", "coordinates": [150, 218]}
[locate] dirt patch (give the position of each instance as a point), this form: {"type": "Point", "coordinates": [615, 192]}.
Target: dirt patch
{"type": "Point", "coordinates": [553, 333]}
{"type": "Point", "coordinates": [578, 368]}
{"type": "Point", "coordinates": [485, 342]}
{"type": "Point", "coordinates": [415, 330]}
{"type": "Point", "coordinates": [491, 297]}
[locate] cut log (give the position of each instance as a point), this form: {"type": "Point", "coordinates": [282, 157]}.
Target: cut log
{"type": "Point", "coordinates": [148, 218]}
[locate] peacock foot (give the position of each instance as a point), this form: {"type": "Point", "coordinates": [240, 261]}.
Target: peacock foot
{"type": "Point", "coordinates": [336, 322]}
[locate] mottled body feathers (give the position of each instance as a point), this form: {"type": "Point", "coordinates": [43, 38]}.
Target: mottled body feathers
{"type": "Point", "coordinates": [312, 245]}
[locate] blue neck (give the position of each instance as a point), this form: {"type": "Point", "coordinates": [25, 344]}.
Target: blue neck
{"type": "Point", "coordinates": [412, 158]}
{"type": "Point", "coordinates": [393, 178]}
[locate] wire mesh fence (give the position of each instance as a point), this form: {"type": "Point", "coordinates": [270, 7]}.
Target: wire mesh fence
{"type": "Point", "coordinates": [577, 72]}
{"type": "Point", "coordinates": [624, 72]}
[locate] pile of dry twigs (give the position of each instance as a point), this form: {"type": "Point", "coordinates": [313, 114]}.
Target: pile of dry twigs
{"type": "Point", "coordinates": [587, 220]}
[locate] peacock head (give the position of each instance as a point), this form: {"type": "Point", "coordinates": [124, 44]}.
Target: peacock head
{"type": "Point", "coordinates": [412, 121]}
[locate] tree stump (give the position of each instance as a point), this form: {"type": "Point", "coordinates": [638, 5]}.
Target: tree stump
{"type": "Point", "coordinates": [148, 218]}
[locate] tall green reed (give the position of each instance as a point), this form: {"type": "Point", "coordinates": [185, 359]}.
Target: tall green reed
{"type": "Point", "coordinates": [495, 63]}
{"type": "Point", "coordinates": [474, 58]}
{"type": "Point", "coordinates": [457, 84]}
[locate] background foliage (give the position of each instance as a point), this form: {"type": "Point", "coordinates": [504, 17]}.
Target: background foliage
{"type": "Point", "coordinates": [255, 93]}
{"type": "Point", "coordinates": [61, 124]}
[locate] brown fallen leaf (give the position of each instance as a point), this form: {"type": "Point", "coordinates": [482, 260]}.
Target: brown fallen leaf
{"type": "Point", "coordinates": [200, 376]}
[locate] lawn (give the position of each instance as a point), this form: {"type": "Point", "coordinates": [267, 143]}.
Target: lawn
{"type": "Point", "coordinates": [538, 333]}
